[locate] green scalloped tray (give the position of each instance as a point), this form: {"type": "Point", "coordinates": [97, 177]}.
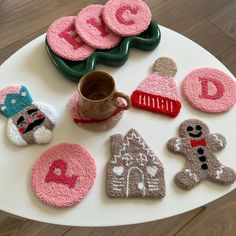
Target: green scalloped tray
{"type": "Point", "coordinates": [117, 56]}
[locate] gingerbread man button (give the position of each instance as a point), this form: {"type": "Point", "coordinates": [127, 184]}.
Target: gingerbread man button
{"type": "Point", "coordinates": [198, 146]}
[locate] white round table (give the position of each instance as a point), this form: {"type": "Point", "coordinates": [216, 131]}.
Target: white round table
{"type": "Point", "coordinates": [32, 67]}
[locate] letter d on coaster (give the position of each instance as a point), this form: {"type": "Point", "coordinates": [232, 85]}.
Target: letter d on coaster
{"type": "Point", "coordinates": [98, 97]}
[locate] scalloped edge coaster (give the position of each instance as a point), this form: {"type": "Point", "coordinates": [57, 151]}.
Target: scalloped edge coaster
{"type": "Point", "coordinates": [87, 123]}
{"type": "Point", "coordinates": [63, 175]}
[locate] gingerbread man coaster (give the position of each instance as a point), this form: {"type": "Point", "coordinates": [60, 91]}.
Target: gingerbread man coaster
{"type": "Point", "coordinates": [158, 92]}
{"type": "Point", "coordinates": [29, 122]}
{"type": "Point", "coordinates": [198, 146]}
{"type": "Point", "coordinates": [134, 171]}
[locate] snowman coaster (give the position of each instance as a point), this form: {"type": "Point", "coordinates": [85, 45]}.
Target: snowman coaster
{"type": "Point", "coordinates": [65, 42]}
{"type": "Point", "coordinates": [28, 122]}
{"type": "Point", "coordinates": [63, 175]}
{"type": "Point", "coordinates": [87, 123]}
{"type": "Point", "coordinates": [209, 90]}
{"type": "Point", "coordinates": [158, 93]}
{"type": "Point", "coordinates": [133, 171]}
{"type": "Point", "coordinates": [127, 17]}
{"type": "Point", "coordinates": [91, 28]}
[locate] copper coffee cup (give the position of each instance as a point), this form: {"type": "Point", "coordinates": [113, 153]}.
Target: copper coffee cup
{"type": "Point", "coordinates": [98, 98]}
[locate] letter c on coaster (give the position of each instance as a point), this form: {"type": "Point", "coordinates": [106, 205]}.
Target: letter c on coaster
{"type": "Point", "coordinates": [209, 90]}
{"type": "Point", "coordinates": [63, 175]}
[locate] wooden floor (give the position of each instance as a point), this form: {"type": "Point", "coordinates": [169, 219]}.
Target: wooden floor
{"type": "Point", "coordinates": [210, 23]}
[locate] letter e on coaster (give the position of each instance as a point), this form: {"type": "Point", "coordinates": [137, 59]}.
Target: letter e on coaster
{"type": "Point", "coordinates": [65, 42]}
{"type": "Point", "coordinates": [91, 28]}
{"type": "Point", "coordinates": [63, 175]}
{"type": "Point", "coordinates": [127, 17]}
{"type": "Point", "coordinates": [209, 90]}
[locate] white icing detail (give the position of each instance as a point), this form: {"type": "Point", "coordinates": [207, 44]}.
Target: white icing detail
{"type": "Point", "coordinates": [167, 103]}
{"type": "Point", "coordinates": [158, 105]}
{"type": "Point", "coordinates": [152, 170]}
{"type": "Point", "coordinates": [48, 111]}
{"type": "Point", "coordinates": [23, 94]}
{"type": "Point", "coordinates": [152, 182]}
{"type": "Point", "coordinates": [42, 135]}
{"type": "Point", "coordinates": [128, 180]}
{"type": "Point", "coordinates": [153, 102]}
{"type": "Point", "coordinates": [140, 186]}
{"type": "Point", "coordinates": [117, 181]}
{"type": "Point", "coordinates": [171, 106]}
{"type": "Point", "coordinates": [148, 101]}
{"type": "Point", "coordinates": [3, 108]}
{"type": "Point", "coordinates": [219, 172]}
{"type": "Point", "coordinates": [194, 176]}
{"type": "Point", "coordinates": [118, 170]}
{"type": "Point", "coordinates": [144, 100]}
{"type": "Point", "coordinates": [218, 140]}
{"type": "Point", "coordinates": [140, 99]}
{"type": "Point", "coordinates": [14, 135]}
{"type": "Point", "coordinates": [153, 189]}
{"type": "Point", "coordinates": [118, 185]}
{"type": "Point", "coordinates": [142, 159]}
{"type": "Point", "coordinates": [13, 101]}
{"type": "Point", "coordinates": [128, 159]}
{"type": "Point", "coordinates": [162, 104]}
{"type": "Point", "coordinates": [152, 185]}
{"type": "Point", "coordinates": [177, 144]}
{"type": "Point", "coordinates": [117, 189]}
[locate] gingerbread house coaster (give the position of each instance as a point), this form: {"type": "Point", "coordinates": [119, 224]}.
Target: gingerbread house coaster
{"type": "Point", "coordinates": [85, 122]}
{"type": "Point", "coordinates": [133, 171]}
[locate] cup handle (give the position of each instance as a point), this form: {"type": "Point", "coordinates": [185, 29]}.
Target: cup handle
{"type": "Point", "coordinates": [118, 104]}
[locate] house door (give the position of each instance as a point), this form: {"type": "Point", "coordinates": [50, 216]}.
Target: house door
{"type": "Point", "coordinates": [135, 182]}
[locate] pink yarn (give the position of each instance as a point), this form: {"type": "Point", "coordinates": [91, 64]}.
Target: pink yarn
{"type": "Point", "coordinates": [8, 90]}
{"type": "Point", "coordinates": [91, 28]}
{"type": "Point", "coordinates": [63, 175]}
{"type": "Point", "coordinates": [209, 90]}
{"type": "Point", "coordinates": [126, 17]}
{"type": "Point", "coordinates": [65, 42]}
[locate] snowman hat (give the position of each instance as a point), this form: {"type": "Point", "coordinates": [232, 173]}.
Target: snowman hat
{"type": "Point", "coordinates": [14, 99]}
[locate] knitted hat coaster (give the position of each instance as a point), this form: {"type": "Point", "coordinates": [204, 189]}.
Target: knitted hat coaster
{"type": "Point", "coordinates": [198, 146]}
{"type": "Point", "coordinates": [87, 123]}
{"type": "Point", "coordinates": [209, 90]}
{"type": "Point", "coordinates": [28, 122]}
{"type": "Point", "coordinates": [158, 92]}
{"type": "Point", "coordinates": [63, 175]}
{"type": "Point", "coordinates": [91, 28]}
{"type": "Point", "coordinates": [133, 171]}
{"type": "Point", "coordinates": [127, 17]}
{"type": "Point", "coordinates": [65, 42]}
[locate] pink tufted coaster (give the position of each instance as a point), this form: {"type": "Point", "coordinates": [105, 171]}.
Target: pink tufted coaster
{"type": "Point", "coordinates": [209, 90]}
{"type": "Point", "coordinates": [86, 122]}
{"type": "Point", "coordinates": [63, 175]}
{"type": "Point", "coordinates": [65, 42]}
{"type": "Point", "coordinates": [91, 28]}
{"type": "Point", "coordinates": [126, 17]}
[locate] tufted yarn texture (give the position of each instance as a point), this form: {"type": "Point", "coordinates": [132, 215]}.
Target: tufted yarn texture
{"type": "Point", "coordinates": [63, 175]}
{"type": "Point", "coordinates": [127, 17]}
{"type": "Point", "coordinates": [91, 28]}
{"type": "Point", "coordinates": [65, 42]}
{"type": "Point", "coordinates": [209, 90]}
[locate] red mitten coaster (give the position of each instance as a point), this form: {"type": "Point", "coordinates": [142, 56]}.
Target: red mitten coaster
{"type": "Point", "coordinates": [91, 28]}
{"type": "Point", "coordinates": [198, 146]}
{"type": "Point", "coordinates": [65, 42]}
{"type": "Point", "coordinates": [158, 92]}
{"type": "Point", "coordinates": [134, 171]}
{"type": "Point", "coordinates": [86, 122]}
{"type": "Point", "coordinates": [127, 17]}
{"type": "Point", "coordinates": [63, 175]}
{"type": "Point", "coordinates": [209, 90]}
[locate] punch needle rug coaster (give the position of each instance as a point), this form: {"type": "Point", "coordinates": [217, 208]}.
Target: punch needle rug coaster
{"type": "Point", "coordinates": [85, 122]}
{"type": "Point", "coordinates": [133, 171]}
{"type": "Point", "coordinates": [199, 146]}
{"type": "Point", "coordinates": [158, 93]}
{"type": "Point", "coordinates": [209, 90]}
{"type": "Point", "coordinates": [63, 175]}
{"type": "Point", "coordinates": [28, 122]}
{"type": "Point", "coordinates": [65, 42]}
{"type": "Point", "coordinates": [127, 17]}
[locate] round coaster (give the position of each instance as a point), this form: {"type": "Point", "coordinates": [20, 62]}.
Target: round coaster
{"type": "Point", "coordinates": [87, 123]}
{"type": "Point", "coordinates": [209, 90]}
{"type": "Point", "coordinates": [127, 17]}
{"type": "Point", "coordinates": [63, 175]}
{"type": "Point", "coordinates": [91, 28]}
{"type": "Point", "coordinates": [65, 42]}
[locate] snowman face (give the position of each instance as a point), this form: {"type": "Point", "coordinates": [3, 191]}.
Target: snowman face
{"type": "Point", "coordinates": [29, 120]}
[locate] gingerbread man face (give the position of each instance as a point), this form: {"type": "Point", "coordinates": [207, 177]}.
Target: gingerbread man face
{"type": "Point", "coordinates": [198, 146]}
{"type": "Point", "coordinates": [193, 129]}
